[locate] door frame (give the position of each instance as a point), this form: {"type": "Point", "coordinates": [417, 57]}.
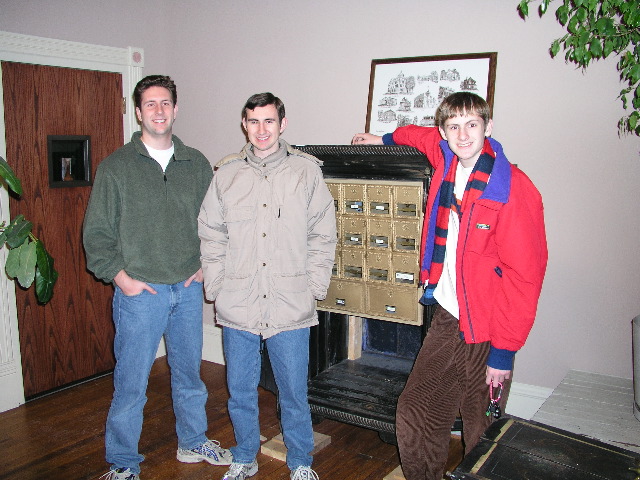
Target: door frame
{"type": "Point", "coordinates": [15, 47]}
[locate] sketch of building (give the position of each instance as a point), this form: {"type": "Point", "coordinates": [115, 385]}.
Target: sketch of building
{"type": "Point", "coordinates": [451, 75]}
{"type": "Point", "coordinates": [425, 100]}
{"type": "Point", "coordinates": [388, 102]}
{"type": "Point", "coordinates": [386, 116]}
{"type": "Point", "coordinates": [468, 84]}
{"type": "Point", "coordinates": [427, 121]}
{"type": "Point", "coordinates": [401, 85]}
{"type": "Point", "coordinates": [404, 120]}
{"type": "Point", "coordinates": [405, 105]}
{"type": "Point", "coordinates": [444, 92]}
{"type": "Point", "coordinates": [432, 77]}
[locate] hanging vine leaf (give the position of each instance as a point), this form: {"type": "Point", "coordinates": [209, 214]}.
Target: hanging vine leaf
{"type": "Point", "coordinates": [595, 30]}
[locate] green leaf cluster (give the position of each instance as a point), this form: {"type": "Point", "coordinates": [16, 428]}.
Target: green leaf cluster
{"type": "Point", "coordinates": [27, 259]}
{"type": "Point", "coordinates": [595, 30]}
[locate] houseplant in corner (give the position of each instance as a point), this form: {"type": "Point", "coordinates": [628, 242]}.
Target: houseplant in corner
{"type": "Point", "coordinates": [27, 259]}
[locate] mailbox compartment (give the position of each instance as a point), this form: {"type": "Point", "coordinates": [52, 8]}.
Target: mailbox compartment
{"type": "Point", "coordinates": [379, 200]}
{"type": "Point", "coordinates": [344, 295]}
{"type": "Point", "coordinates": [405, 269]}
{"type": "Point", "coordinates": [352, 263]}
{"type": "Point", "coordinates": [354, 232]}
{"type": "Point", "coordinates": [407, 201]}
{"type": "Point", "coordinates": [396, 303]}
{"type": "Point", "coordinates": [379, 233]}
{"type": "Point", "coordinates": [353, 199]}
{"type": "Point", "coordinates": [379, 267]}
{"type": "Point", "coordinates": [334, 190]}
{"type": "Point", "coordinates": [406, 236]}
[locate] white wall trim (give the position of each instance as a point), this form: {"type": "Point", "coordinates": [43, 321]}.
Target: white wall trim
{"type": "Point", "coordinates": [212, 345]}
{"type": "Point", "coordinates": [58, 53]}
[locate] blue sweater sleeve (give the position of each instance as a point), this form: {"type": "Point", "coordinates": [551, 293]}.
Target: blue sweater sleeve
{"type": "Point", "coordinates": [387, 139]}
{"type": "Point", "coordinates": [500, 359]}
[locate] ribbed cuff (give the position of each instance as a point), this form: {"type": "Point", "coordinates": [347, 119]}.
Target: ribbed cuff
{"type": "Point", "coordinates": [500, 359]}
{"type": "Point", "coordinates": [387, 139]}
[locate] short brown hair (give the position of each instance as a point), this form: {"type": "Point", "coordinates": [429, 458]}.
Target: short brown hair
{"type": "Point", "coordinates": [461, 103]}
{"type": "Point", "coordinates": [262, 100]}
{"type": "Point", "coordinates": [154, 81]}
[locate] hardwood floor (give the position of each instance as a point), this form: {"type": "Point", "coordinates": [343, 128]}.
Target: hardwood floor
{"type": "Point", "coordinates": [61, 436]}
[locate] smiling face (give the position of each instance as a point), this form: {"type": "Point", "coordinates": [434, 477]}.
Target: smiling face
{"type": "Point", "coordinates": [465, 134]}
{"type": "Point", "coordinates": [156, 114]}
{"type": "Point", "coordinates": [263, 129]}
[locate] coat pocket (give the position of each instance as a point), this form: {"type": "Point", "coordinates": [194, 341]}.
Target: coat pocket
{"type": "Point", "coordinates": [294, 300]}
{"type": "Point", "coordinates": [232, 303]}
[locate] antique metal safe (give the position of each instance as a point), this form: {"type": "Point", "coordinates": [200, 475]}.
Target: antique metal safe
{"type": "Point", "coordinates": [371, 324]}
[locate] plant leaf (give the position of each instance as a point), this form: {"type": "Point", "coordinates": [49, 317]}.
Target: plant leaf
{"type": "Point", "coordinates": [9, 176]}
{"type": "Point", "coordinates": [21, 263]}
{"type": "Point", "coordinates": [20, 230]}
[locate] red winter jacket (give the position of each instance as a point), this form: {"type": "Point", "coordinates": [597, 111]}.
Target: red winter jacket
{"type": "Point", "coordinates": [502, 249]}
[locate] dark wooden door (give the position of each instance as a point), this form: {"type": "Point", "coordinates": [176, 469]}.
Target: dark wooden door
{"type": "Point", "coordinates": [71, 337]}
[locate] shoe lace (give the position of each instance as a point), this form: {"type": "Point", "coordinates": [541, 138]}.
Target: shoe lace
{"type": "Point", "coordinates": [110, 475]}
{"type": "Point", "coordinates": [304, 473]}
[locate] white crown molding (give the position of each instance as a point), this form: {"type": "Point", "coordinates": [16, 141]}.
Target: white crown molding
{"type": "Point", "coordinates": [17, 47]}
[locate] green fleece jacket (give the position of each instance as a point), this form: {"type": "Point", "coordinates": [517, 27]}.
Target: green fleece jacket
{"type": "Point", "coordinates": [143, 220]}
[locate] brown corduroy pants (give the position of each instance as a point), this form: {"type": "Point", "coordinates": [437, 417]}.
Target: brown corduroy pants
{"type": "Point", "coordinates": [448, 378]}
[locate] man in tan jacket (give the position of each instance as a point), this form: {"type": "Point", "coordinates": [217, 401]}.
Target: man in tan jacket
{"type": "Point", "coordinates": [268, 234]}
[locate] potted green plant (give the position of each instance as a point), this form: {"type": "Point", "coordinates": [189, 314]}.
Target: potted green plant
{"type": "Point", "coordinates": [27, 258]}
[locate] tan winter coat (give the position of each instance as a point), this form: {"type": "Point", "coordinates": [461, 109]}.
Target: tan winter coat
{"type": "Point", "coordinates": [268, 235]}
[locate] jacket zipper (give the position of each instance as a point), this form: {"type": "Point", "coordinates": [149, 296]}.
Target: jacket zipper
{"type": "Point", "coordinates": [464, 288]}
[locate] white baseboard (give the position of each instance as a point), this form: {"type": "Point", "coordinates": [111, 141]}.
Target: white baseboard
{"type": "Point", "coordinates": [212, 345]}
{"type": "Point", "coordinates": [525, 400]}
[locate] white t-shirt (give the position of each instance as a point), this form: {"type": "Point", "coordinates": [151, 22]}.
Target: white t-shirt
{"type": "Point", "coordinates": [445, 291]}
{"type": "Point", "coordinates": [163, 157]}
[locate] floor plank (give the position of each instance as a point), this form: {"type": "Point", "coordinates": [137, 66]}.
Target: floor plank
{"type": "Point", "coordinates": [61, 436]}
{"type": "Point", "coordinates": [595, 405]}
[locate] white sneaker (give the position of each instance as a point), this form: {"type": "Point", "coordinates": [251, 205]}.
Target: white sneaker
{"type": "Point", "coordinates": [210, 451]}
{"type": "Point", "coordinates": [240, 471]}
{"type": "Point", "coordinates": [304, 473]}
{"type": "Point", "coordinates": [120, 474]}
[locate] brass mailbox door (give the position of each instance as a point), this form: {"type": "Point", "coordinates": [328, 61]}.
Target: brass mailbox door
{"type": "Point", "coordinates": [354, 232]}
{"type": "Point", "coordinates": [395, 303]}
{"type": "Point", "coordinates": [354, 201]}
{"type": "Point", "coordinates": [344, 295]}
{"type": "Point", "coordinates": [407, 236]}
{"type": "Point", "coordinates": [408, 201]}
{"type": "Point", "coordinates": [334, 189]}
{"type": "Point", "coordinates": [378, 267]}
{"type": "Point", "coordinates": [405, 269]}
{"type": "Point", "coordinates": [379, 200]}
{"type": "Point", "coordinates": [352, 263]}
{"type": "Point", "coordinates": [379, 234]}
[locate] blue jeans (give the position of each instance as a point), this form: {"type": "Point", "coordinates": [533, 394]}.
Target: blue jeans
{"type": "Point", "coordinates": [140, 322]}
{"type": "Point", "coordinates": [289, 356]}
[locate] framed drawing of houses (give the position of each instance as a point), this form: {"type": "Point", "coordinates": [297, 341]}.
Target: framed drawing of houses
{"type": "Point", "coordinates": [405, 91]}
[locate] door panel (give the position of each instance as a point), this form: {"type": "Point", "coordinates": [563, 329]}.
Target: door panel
{"type": "Point", "coordinates": [71, 337]}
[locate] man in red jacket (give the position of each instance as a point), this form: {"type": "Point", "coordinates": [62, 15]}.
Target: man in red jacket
{"type": "Point", "coordinates": [484, 255]}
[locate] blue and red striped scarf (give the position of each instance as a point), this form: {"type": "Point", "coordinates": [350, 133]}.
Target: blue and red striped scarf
{"type": "Point", "coordinates": [475, 186]}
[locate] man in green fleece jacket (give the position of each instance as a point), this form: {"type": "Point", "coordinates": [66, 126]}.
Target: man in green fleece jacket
{"type": "Point", "coordinates": [140, 232]}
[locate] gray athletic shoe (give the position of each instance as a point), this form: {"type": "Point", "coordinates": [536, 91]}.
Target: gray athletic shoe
{"type": "Point", "coordinates": [240, 471]}
{"type": "Point", "coordinates": [120, 474]}
{"type": "Point", "coordinates": [210, 451]}
{"type": "Point", "coordinates": [304, 473]}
